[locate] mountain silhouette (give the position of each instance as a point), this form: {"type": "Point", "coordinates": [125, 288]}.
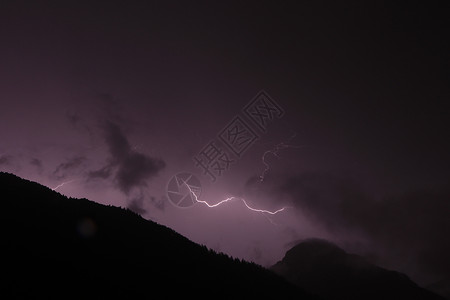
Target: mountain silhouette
{"type": "Point", "coordinates": [324, 269]}
{"type": "Point", "coordinates": [59, 247]}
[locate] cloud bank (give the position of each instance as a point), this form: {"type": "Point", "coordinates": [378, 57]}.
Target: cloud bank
{"type": "Point", "coordinates": [411, 226]}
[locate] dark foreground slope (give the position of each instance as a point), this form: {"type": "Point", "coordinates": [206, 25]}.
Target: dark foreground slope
{"type": "Point", "coordinates": [323, 268]}
{"type": "Point", "coordinates": [53, 246]}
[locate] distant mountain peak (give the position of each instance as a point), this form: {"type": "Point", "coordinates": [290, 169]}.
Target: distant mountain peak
{"type": "Point", "coordinates": [322, 268]}
{"type": "Point", "coordinates": [315, 247]}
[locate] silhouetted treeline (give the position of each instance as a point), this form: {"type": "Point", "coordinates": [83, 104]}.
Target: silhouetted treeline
{"type": "Point", "coordinates": [54, 246]}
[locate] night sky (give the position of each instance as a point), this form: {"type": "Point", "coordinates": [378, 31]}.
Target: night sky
{"type": "Point", "coordinates": [113, 99]}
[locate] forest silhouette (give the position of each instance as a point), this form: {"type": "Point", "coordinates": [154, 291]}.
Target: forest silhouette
{"type": "Point", "coordinates": [55, 246]}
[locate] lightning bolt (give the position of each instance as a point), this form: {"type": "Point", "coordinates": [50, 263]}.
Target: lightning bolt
{"type": "Point", "coordinates": [62, 184]}
{"type": "Point", "coordinates": [230, 199]}
{"type": "Point", "coordinates": [274, 151]}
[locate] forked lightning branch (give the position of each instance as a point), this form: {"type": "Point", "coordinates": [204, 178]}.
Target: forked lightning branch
{"type": "Point", "coordinates": [186, 193]}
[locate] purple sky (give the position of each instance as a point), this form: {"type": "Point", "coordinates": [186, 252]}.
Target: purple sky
{"type": "Point", "coordinates": [117, 98]}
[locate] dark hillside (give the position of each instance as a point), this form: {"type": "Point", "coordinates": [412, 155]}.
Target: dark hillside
{"type": "Point", "coordinates": [54, 246]}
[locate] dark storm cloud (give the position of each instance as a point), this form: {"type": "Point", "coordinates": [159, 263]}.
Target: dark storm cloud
{"type": "Point", "coordinates": [132, 168]}
{"type": "Point", "coordinates": [5, 159]}
{"type": "Point", "coordinates": [38, 164]}
{"type": "Point", "coordinates": [117, 143]}
{"type": "Point", "coordinates": [102, 173]}
{"type": "Point", "coordinates": [334, 201]}
{"type": "Point", "coordinates": [137, 205]}
{"type": "Point", "coordinates": [71, 164]}
{"type": "Point", "coordinates": [416, 223]}
{"type": "Point", "coordinates": [159, 203]}
{"type": "Point", "coordinates": [135, 168]}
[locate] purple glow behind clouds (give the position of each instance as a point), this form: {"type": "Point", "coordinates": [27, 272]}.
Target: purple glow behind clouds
{"type": "Point", "coordinates": [364, 93]}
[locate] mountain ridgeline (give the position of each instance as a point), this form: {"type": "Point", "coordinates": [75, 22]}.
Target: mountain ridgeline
{"type": "Point", "coordinates": [54, 246]}
{"type": "Point", "coordinates": [66, 248]}
{"type": "Point", "coordinates": [324, 269]}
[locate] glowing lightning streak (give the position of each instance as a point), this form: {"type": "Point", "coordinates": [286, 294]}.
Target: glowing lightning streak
{"type": "Point", "coordinates": [232, 198]}
{"type": "Point", "coordinates": [62, 184]}
{"type": "Point", "coordinates": [274, 152]}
